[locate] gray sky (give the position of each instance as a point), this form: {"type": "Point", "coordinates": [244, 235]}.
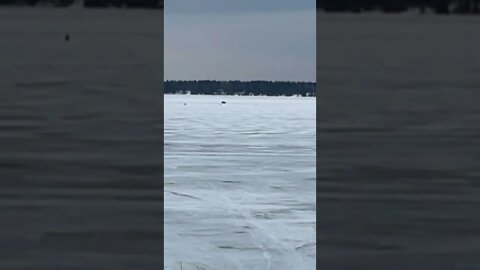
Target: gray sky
{"type": "Point", "coordinates": [240, 40]}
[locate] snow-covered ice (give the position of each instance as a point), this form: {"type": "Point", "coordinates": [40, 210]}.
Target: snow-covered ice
{"type": "Point", "coordinates": [239, 182]}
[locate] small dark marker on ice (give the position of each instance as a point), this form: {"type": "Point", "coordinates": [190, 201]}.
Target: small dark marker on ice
{"type": "Point", "coordinates": [224, 102]}
{"type": "Point", "coordinates": [67, 37]}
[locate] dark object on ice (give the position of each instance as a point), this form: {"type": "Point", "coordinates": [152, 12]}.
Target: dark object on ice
{"type": "Point", "coordinates": [224, 102]}
{"type": "Point", "coordinates": [185, 104]}
{"type": "Point", "coordinates": [67, 37]}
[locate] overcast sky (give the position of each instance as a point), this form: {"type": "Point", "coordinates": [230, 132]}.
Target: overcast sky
{"type": "Point", "coordinates": [240, 40]}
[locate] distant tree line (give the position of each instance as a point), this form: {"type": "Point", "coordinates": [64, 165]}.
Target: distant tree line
{"type": "Point", "coordinates": [395, 6]}
{"type": "Point", "coordinates": [244, 88]}
{"type": "Point", "coordinates": [88, 3]}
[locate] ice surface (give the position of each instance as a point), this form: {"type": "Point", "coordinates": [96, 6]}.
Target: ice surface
{"type": "Point", "coordinates": [239, 182]}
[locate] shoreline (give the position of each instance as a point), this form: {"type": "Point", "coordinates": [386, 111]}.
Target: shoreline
{"type": "Point", "coordinates": [293, 96]}
{"type": "Point", "coordinates": [241, 88]}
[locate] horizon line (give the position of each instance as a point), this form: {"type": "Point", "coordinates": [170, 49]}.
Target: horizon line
{"type": "Point", "coordinates": [212, 80]}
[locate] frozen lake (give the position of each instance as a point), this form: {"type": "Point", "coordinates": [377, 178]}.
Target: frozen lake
{"type": "Point", "coordinates": [239, 182]}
